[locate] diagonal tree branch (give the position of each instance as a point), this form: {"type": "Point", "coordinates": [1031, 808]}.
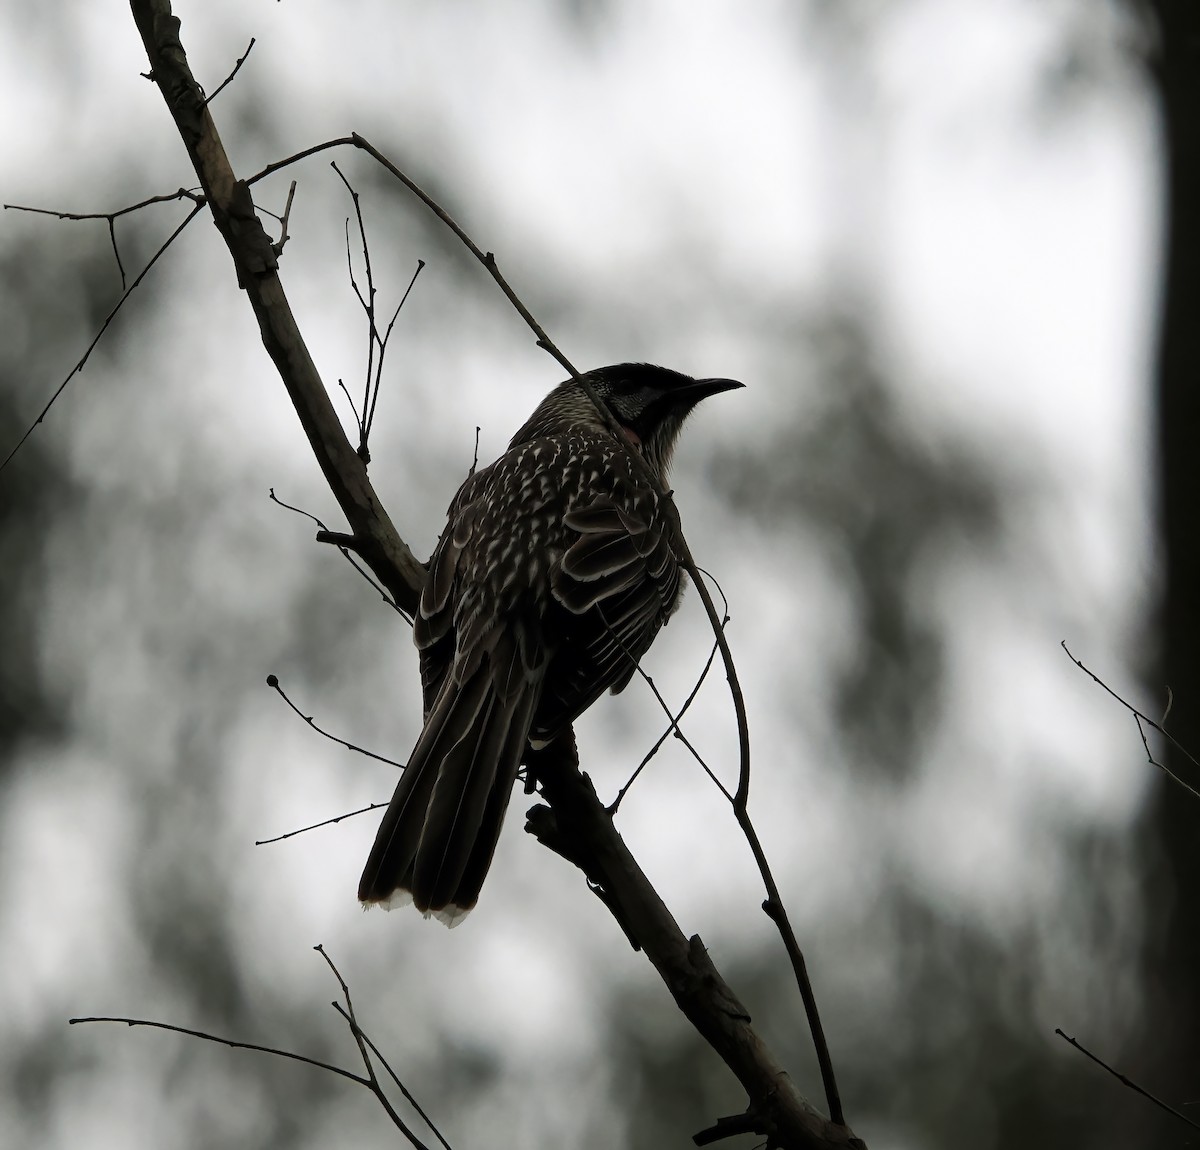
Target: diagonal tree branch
{"type": "Point", "coordinates": [376, 539]}
{"type": "Point", "coordinates": [578, 820]}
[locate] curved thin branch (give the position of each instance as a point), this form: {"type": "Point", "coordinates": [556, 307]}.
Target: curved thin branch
{"type": "Point", "coordinates": [1125, 1081]}
{"type": "Point", "coordinates": [233, 1043]}
{"type": "Point", "coordinates": [741, 798]}
{"type": "Point", "coordinates": [104, 325]}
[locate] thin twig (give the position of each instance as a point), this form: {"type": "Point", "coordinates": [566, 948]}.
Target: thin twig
{"type": "Point", "coordinates": [486, 258]}
{"type": "Point", "coordinates": [296, 157]}
{"type": "Point", "coordinates": [236, 68]}
{"type": "Point", "coordinates": [1140, 718]}
{"type": "Point", "coordinates": [274, 684]}
{"type": "Point", "coordinates": [374, 372]}
{"type": "Point", "coordinates": [370, 1045]}
{"type": "Point", "coordinates": [774, 908]}
{"type": "Point", "coordinates": [370, 1082]}
{"type": "Point", "coordinates": [317, 826]}
{"type": "Point", "coordinates": [111, 217]}
{"type": "Point", "coordinates": [475, 457]}
{"type": "Point", "coordinates": [672, 728]}
{"type": "Point", "coordinates": [404, 1089]}
{"type": "Point", "coordinates": [1126, 1081]}
{"type": "Point", "coordinates": [231, 1042]}
{"type": "Point", "coordinates": [342, 543]}
{"type": "Point", "coordinates": [277, 246]}
{"type": "Point", "coordinates": [99, 334]}
{"type": "Point", "coordinates": [350, 400]}
{"type": "Point", "coordinates": [370, 419]}
{"type": "Point", "coordinates": [359, 1041]}
{"type": "Point", "coordinates": [166, 198]}
{"type": "Point", "coordinates": [367, 304]}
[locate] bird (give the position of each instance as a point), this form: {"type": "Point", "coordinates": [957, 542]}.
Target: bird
{"type": "Point", "coordinates": [554, 573]}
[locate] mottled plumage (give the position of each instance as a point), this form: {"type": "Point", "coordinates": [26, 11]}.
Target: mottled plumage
{"type": "Point", "coordinates": [551, 579]}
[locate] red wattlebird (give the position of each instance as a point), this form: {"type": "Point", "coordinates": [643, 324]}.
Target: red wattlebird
{"type": "Point", "coordinates": [553, 575]}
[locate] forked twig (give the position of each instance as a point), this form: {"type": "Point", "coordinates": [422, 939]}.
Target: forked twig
{"type": "Point", "coordinates": [103, 328]}
{"type": "Point", "coordinates": [375, 340]}
{"type": "Point", "coordinates": [1140, 718]}
{"type": "Point", "coordinates": [365, 1047]}
{"type": "Point", "coordinates": [346, 544]}
{"type": "Point", "coordinates": [112, 217]}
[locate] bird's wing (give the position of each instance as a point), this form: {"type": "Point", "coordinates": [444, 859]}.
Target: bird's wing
{"type": "Point", "coordinates": [619, 581]}
{"type": "Point", "coordinates": [433, 625]}
{"type": "Point", "coordinates": [482, 663]}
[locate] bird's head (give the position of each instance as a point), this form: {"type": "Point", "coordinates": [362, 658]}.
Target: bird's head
{"type": "Point", "coordinates": [649, 403]}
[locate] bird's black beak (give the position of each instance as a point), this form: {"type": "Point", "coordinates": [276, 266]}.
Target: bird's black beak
{"type": "Point", "coordinates": [702, 388]}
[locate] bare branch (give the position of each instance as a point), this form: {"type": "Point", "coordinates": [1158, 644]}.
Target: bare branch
{"type": "Point", "coordinates": [112, 217]}
{"type": "Point", "coordinates": [368, 306]}
{"type": "Point", "coordinates": [257, 266]}
{"type": "Point", "coordinates": [317, 826]}
{"type": "Point", "coordinates": [383, 343]}
{"type": "Point", "coordinates": [364, 1043]}
{"type": "Point", "coordinates": [274, 684]}
{"type": "Point", "coordinates": [233, 1043]}
{"type": "Point", "coordinates": [375, 340]}
{"type": "Point", "coordinates": [345, 544]}
{"type": "Point", "coordinates": [1127, 1081]}
{"type": "Point", "coordinates": [278, 245]}
{"type": "Point", "coordinates": [672, 729]}
{"type": "Point", "coordinates": [577, 817]}
{"type": "Point", "coordinates": [486, 258]}
{"type": "Point", "coordinates": [108, 319]}
{"type": "Point", "coordinates": [1140, 718]}
{"type": "Point", "coordinates": [236, 69]}
{"type": "Point", "coordinates": [296, 157]}
{"type": "Point", "coordinates": [360, 1040]}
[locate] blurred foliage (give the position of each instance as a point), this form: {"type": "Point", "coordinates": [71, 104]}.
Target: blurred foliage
{"type": "Point", "coordinates": [886, 506]}
{"type": "Point", "coordinates": [37, 286]}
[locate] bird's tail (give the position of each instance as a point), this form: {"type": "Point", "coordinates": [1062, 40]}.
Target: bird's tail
{"type": "Point", "coordinates": [436, 841]}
